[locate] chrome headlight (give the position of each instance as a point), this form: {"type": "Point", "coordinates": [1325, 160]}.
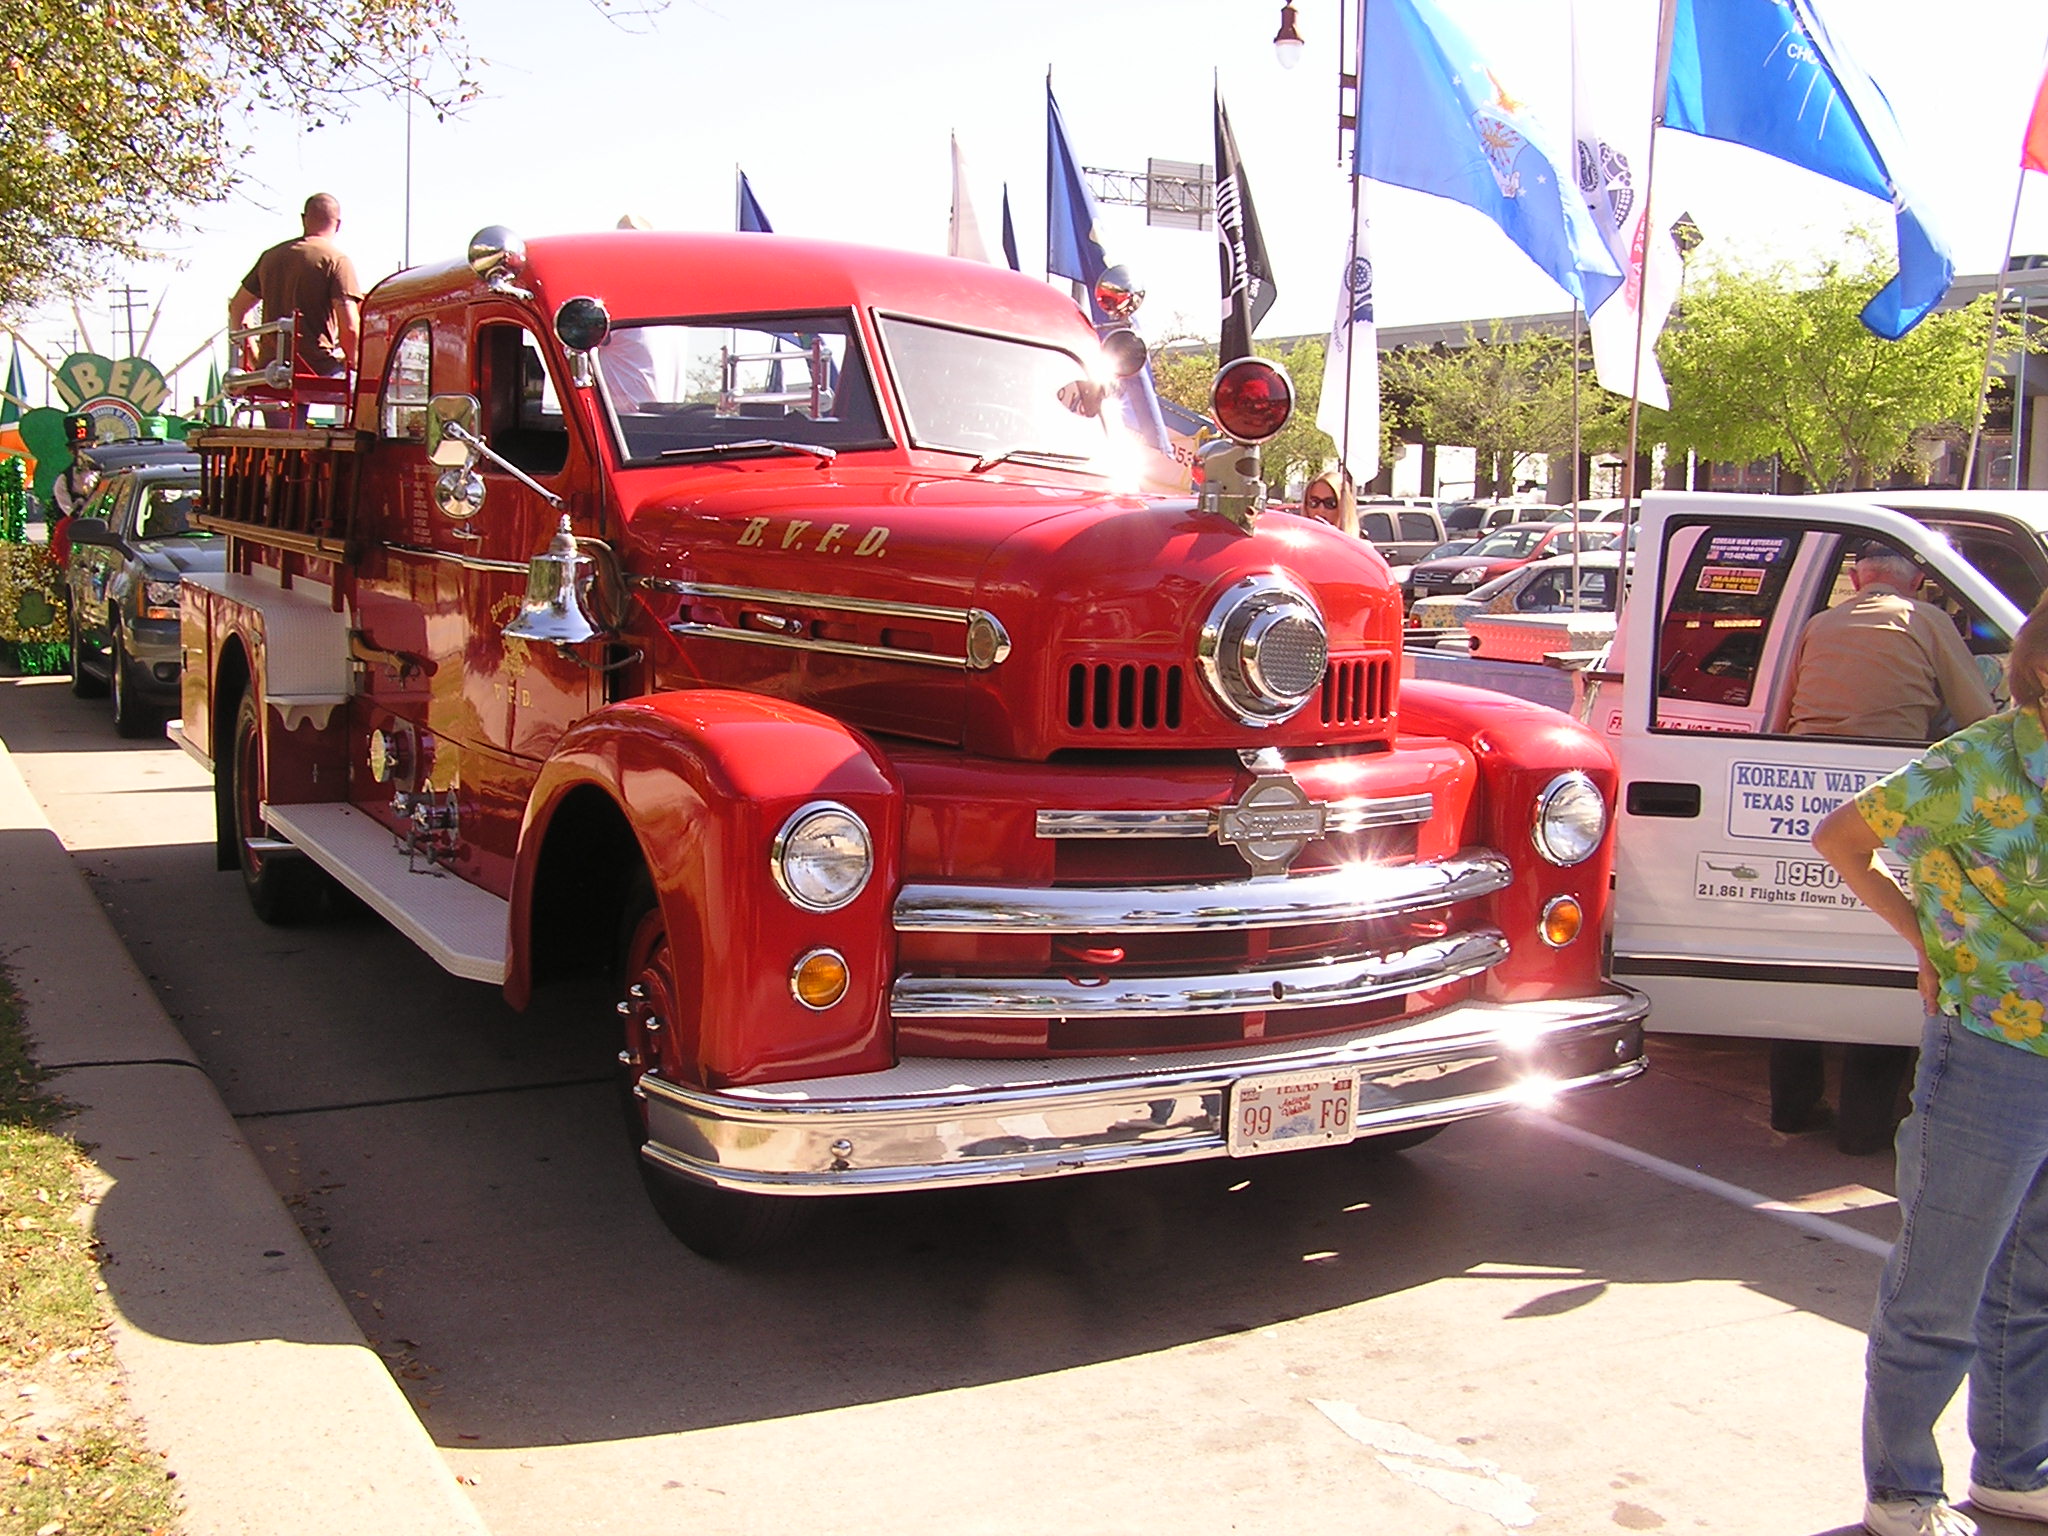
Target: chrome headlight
{"type": "Point", "coordinates": [1263, 649]}
{"type": "Point", "coordinates": [160, 599]}
{"type": "Point", "coordinates": [1571, 818]}
{"type": "Point", "coordinates": [1471, 576]}
{"type": "Point", "coordinates": [822, 857]}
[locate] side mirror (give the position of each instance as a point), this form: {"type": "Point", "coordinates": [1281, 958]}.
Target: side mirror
{"type": "Point", "coordinates": [1124, 351]}
{"type": "Point", "coordinates": [90, 530]}
{"type": "Point", "coordinates": [1117, 293]}
{"type": "Point", "coordinates": [451, 450]}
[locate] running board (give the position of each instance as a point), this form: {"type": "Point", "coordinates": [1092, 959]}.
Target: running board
{"type": "Point", "coordinates": [463, 927]}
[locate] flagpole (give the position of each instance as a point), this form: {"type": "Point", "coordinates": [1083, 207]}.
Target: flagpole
{"type": "Point", "coordinates": [1578, 317]}
{"type": "Point", "coordinates": [1667, 24]}
{"type": "Point", "coordinates": [1351, 259]}
{"type": "Point", "coordinates": [1991, 336]}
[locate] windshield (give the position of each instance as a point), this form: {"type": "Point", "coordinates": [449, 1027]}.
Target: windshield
{"type": "Point", "coordinates": [685, 387]}
{"type": "Point", "coordinates": [1445, 551]}
{"type": "Point", "coordinates": [1508, 543]}
{"type": "Point", "coordinates": [994, 396]}
{"type": "Point", "coordinates": [165, 512]}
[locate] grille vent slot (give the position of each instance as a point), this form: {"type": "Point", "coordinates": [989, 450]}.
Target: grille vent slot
{"type": "Point", "coordinates": [1358, 689]}
{"type": "Point", "coordinates": [1123, 696]}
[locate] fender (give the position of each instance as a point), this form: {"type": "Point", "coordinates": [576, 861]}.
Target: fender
{"type": "Point", "coordinates": [705, 780]}
{"type": "Point", "coordinates": [1520, 747]}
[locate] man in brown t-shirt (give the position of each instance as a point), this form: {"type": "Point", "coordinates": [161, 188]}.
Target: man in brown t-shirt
{"type": "Point", "coordinates": [311, 280]}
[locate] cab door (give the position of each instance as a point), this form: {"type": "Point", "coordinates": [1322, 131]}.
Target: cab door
{"type": "Point", "coordinates": [1723, 912]}
{"type": "Point", "coordinates": [94, 566]}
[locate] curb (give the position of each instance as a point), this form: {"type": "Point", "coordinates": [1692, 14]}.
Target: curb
{"type": "Point", "coordinates": [236, 1352]}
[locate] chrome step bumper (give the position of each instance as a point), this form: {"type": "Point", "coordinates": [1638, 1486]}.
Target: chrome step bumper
{"type": "Point", "coordinates": [932, 1122]}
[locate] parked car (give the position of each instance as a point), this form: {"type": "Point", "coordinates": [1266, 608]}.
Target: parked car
{"type": "Point", "coordinates": [2004, 534]}
{"type": "Point", "coordinates": [1598, 509]}
{"type": "Point", "coordinates": [1484, 516]}
{"type": "Point", "coordinates": [1400, 532]}
{"type": "Point", "coordinates": [131, 545]}
{"type": "Point", "coordinates": [1497, 554]}
{"type": "Point", "coordinates": [1541, 586]}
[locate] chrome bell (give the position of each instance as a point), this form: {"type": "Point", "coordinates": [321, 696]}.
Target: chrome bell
{"type": "Point", "coordinates": [552, 614]}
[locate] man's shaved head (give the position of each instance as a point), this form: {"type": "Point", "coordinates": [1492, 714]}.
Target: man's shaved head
{"type": "Point", "coordinates": [322, 213]}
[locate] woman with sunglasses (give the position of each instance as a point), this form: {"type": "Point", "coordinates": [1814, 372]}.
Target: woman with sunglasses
{"type": "Point", "coordinates": [1330, 498]}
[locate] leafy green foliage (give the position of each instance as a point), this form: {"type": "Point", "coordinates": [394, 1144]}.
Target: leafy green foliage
{"type": "Point", "coordinates": [1505, 398]}
{"type": "Point", "coordinates": [1776, 362]}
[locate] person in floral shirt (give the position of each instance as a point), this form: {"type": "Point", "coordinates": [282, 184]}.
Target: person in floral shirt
{"type": "Point", "coordinates": [1965, 1289]}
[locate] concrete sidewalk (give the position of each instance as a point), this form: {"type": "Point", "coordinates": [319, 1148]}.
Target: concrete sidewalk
{"type": "Point", "coordinates": [236, 1351]}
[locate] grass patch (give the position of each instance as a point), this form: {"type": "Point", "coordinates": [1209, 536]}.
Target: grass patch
{"type": "Point", "coordinates": [71, 1462]}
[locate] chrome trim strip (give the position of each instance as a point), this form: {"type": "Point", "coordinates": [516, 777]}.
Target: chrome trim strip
{"type": "Point", "coordinates": [1334, 896]}
{"type": "Point", "coordinates": [824, 647]}
{"type": "Point", "coordinates": [1315, 984]}
{"type": "Point", "coordinates": [868, 605]}
{"type": "Point", "coordinates": [930, 1123]}
{"type": "Point", "coordinates": [467, 562]}
{"type": "Point", "coordinates": [1357, 814]}
{"type": "Point", "coordinates": [1127, 823]}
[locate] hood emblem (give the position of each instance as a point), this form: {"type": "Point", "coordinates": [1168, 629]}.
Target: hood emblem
{"type": "Point", "coordinates": [1270, 823]}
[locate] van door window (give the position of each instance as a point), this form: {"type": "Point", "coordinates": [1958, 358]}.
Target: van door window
{"type": "Point", "coordinates": [1419, 527]}
{"type": "Point", "coordinates": [1376, 526]}
{"type": "Point", "coordinates": [1722, 598]}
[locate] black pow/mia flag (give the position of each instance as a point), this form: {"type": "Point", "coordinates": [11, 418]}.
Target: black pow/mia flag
{"type": "Point", "coordinates": [1248, 287]}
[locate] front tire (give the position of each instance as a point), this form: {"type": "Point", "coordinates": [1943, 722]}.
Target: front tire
{"type": "Point", "coordinates": [133, 718]}
{"type": "Point", "coordinates": [283, 888]}
{"type": "Point", "coordinates": [719, 1224]}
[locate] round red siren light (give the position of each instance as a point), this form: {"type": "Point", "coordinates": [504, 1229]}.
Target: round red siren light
{"type": "Point", "coordinates": [1252, 399]}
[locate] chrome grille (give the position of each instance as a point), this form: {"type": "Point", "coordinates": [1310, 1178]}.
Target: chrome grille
{"type": "Point", "coordinates": [1358, 689]}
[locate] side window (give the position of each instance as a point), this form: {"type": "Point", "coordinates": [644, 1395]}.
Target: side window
{"type": "Point", "coordinates": [522, 411]}
{"type": "Point", "coordinates": [1376, 526]}
{"type": "Point", "coordinates": [1721, 599]}
{"type": "Point", "coordinates": [1545, 593]}
{"type": "Point", "coordinates": [1418, 526]}
{"type": "Point", "coordinates": [407, 383]}
{"type": "Point", "coordinates": [2002, 565]}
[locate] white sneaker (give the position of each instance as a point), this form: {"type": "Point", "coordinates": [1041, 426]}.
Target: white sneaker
{"type": "Point", "coordinates": [1917, 1517]}
{"type": "Point", "coordinates": [2032, 1505]}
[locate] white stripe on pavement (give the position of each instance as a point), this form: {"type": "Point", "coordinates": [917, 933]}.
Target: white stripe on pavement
{"type": "Point", "coordinates": [1734, 1194]}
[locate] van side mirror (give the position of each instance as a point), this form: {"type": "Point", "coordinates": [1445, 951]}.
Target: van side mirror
{"type": "Point", "coordinates": [90, 530]}
{"type": "Point", "coordinates": [451, 449]}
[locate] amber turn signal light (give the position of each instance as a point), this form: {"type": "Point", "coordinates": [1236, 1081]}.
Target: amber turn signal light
{"type": "Point", "coordinates": [820, 978]}
{"type": "Point", "coordinates": [1562, 920]}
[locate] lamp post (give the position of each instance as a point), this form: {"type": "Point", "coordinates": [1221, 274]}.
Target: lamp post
{"type": "Point", "coordinates": [1287, 43]}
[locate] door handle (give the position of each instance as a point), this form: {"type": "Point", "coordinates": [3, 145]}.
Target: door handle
{"type": "Point", "coordinates": [1646, 797]}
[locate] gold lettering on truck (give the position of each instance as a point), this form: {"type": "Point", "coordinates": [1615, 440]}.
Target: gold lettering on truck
{"type": "Point", "coordinates": [754, 534]}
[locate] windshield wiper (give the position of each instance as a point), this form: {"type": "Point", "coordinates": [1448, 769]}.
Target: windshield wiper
{"type": "Point", "coordinates": [817, 451]}
{"type": "Point", "coordinates": [1046, 455]}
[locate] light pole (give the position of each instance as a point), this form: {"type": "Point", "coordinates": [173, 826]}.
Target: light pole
{"type": "Point", "coordinates": [1287, 43]}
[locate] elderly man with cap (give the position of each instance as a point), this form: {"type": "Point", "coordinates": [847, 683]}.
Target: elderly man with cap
{"type": "Point", "coordinates": [1879, 665]}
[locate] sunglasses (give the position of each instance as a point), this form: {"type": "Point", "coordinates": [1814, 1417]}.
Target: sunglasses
{"type": "Point", "coordinates": [1326, 503]}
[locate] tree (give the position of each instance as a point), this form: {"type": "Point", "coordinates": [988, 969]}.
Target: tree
{"type": "Point", "coordinates": [116, 115]}
{"type": "Point", "coordinates": [1506, 399]}
{"type": "Point", "coordinates": [1777, 362]}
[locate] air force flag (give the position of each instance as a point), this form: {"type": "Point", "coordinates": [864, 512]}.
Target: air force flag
{"type": "Point", "coordinates": [1350, 406]}
{"type": "Point", "coordinates": [1434, 116]}
{"type": "Point", "coordinates": [1766, 74]}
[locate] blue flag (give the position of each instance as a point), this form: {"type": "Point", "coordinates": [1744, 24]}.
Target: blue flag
{"type": "Point", "coordinates": [751, 220]}
{"type": "Point", "coordinates": [1766, 74]}
{"type": "Point", "coordinates": [1010, 233]}
{"type": "Point", "coordinates": [1072, 249]}
{"type": "Point", "coordinates": [1434, 116]}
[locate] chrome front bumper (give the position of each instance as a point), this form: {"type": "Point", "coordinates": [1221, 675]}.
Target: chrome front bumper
{"type": "Point", "coordinates": [931, 1122]}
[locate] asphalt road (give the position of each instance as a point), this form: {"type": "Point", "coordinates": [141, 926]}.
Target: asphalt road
{"type": "Point", "coordinates": [1570, 1323]}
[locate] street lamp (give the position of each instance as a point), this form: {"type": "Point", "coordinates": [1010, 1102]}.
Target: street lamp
{"type": "Point", "coordinates": [1287, 43]}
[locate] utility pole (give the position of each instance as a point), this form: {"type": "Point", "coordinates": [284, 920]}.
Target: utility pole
{"type": "Point", "coordinates": [126, 301]}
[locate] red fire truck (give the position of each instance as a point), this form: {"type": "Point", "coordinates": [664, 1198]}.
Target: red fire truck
{"type": "Point", "coordinates": [778, 627]}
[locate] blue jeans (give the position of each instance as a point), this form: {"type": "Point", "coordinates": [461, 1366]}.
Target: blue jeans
{"type": "Point", "coordinates": [1965, 1291]}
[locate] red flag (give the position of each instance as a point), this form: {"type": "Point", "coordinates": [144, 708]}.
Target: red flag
{"type": "Point", "coordinates": [2034, 152]}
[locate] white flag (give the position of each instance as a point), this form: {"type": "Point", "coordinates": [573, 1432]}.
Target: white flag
{"type": "Point", "coordinates": [1614, 50]}
{"type": "Point", "coordinates": [1350, 407]}
{"type": "Point", "coordinates": [963, 234]}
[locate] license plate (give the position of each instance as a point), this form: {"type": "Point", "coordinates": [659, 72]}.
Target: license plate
{"type": "Point", "coordinates": [1307, 1109]}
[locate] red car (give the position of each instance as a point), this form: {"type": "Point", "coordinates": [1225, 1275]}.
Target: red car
{"type": "Point", "coordinates": [1498, 553]}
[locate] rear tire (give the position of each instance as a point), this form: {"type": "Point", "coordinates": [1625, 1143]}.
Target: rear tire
{"type": "Point", "coordinates": [719, 1224]}
{"type": "Point", "coordinates": [283, 888]}
{"type": "Point", "coordinates": [133, 718]}
{"type": "Point", "coordinates": [83, 684]}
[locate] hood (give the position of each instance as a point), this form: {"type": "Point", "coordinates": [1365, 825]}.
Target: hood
{"type": "Point", "coordinates": [162, 559]}
{"type": "Point", "coordinates": [857, 594]}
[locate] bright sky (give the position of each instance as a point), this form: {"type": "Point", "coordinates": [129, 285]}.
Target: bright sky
{"type": "Point", "coordinates": [839, 112]}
